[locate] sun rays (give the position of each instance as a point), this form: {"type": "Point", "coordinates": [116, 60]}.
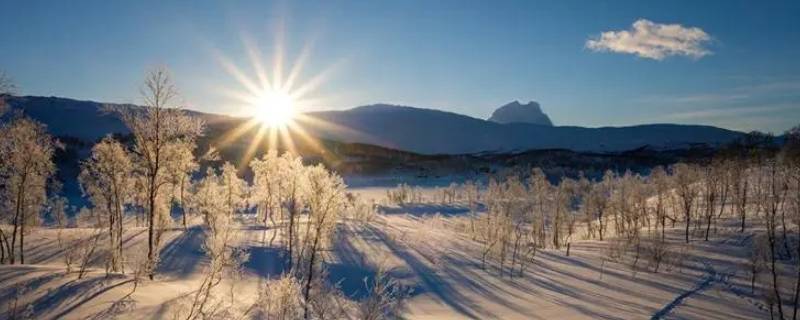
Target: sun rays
{"type": "Point", "coordinates": [274, 102]}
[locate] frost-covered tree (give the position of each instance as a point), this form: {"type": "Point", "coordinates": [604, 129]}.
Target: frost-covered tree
{"type": "Point", "coordinates": [686, 191]}
{"type": "Point", "coordinates": [234, 189]}
{"type": "Point", "coordinates": [205, 194]}
{"type": "Point", "coordinates": [325, 200]}
{"type": "Point", "coordinates": [293, 180]}
{"type": "Point", "coordinates": [661, 189]}
{"type": "Point", "coordinates": [539, 188]}
{"type": "Point", "coordinates": [156, 129]}
{"type": "Point", "coordinates": [180, 166]}
{"type": "Point", "coordinates": [266, 192]}
{"type": "Point", "coordinates": [58, 213]}
{"type": "Point", "coordinates": [106, 178]}
{"type": "Point", "coordinates": [26, 168]}
{"type": "Point", "coordinates": [509, 230]}
{"type": "Point", "coordinates": [597, 202]}
{"type": "Point", "coordinates": [771, 195]}
{"type": "Point", "coordinates": [740, 188]}
{"type": "Point", "coordinates": [472, 196]}
{"type": "Point", "coordinates": [218, 244]}
{"type": "Point", "coordinates": [790, 158]}
{"type": "Point", "coordinates": [710, 187]}
{"type": "Point", "coordinates": [279, 299]}
{"type": "Point", "coordinates": [386, 298]}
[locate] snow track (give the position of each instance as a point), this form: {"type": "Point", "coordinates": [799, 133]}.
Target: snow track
{"type": "Point", "coordinates": [710, 278]}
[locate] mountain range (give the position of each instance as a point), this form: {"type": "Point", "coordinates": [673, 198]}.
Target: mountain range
{"type": "Point", "coordinates": [431, 131]}
{"type": "Point", "coordinates": [418, 130]}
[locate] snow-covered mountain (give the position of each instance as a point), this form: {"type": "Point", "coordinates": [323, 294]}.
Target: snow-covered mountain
{"type": "Point", "coordinates": [433, 131]}
{"type": "Point", "coordinates": [426, 131]}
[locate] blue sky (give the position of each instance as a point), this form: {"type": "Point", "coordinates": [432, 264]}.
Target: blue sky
{"type": "Point", "coordinates": [732, 64]}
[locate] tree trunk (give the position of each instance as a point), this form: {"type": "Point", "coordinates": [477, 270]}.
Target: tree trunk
{"type": "Point", "coordinates": [307, 292]}
{"type": "Point", "coordinates": [112, 244]}
{"type": "Point", "coordinates": [22, 239]}
{"type": "Point", "coordinates": [151, 228]}
{"type": "Point", "coordinates": [775, 274]}
{"type": "Point", "coordinates": [183, 205]}
{"type": "Point", "coordinates": [688, 221]}
{"type": "Point", "coordinates": [2, 247]}
{"type": "Point", "coordinates": [17, 214]}
{"type": "Point", "coordinates": [600, 219]}
{"type": "Point", "coordinates": [291, 235]}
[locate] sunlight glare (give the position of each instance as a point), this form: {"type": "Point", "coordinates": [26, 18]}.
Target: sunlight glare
{"type": "Point", "coordinates": [275, 108]}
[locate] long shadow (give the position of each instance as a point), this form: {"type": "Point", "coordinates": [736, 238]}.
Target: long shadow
{"type": "Point", "coordinates": [74, 290]}
{"type": "Point", "coordinates": [8, 293]}
{"type": "Point", "coordinates": [71, 308]}
{"type": "Point", "coordinates": [181, 257]}
{"type": "Point", "coordinates": [353, 270]}
{"type": "Point", "coordinates": [433, 283]}
{"type": "Point", "coordinates": [546, 279]}
{"type": "Point", "coordinates": [420, 209]}
{"type": "Point", "coordinates": [266, 262]}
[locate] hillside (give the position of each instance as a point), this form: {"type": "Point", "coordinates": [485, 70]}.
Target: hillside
{"type": "Point", "coordinates": [432, 131]}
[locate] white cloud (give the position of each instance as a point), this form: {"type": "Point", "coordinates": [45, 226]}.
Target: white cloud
{"type": "Point", "coordinates": [653, 40]}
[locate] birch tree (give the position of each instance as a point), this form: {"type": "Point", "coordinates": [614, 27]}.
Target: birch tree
{"type": "Point", "coordinates": [266, 192]}
{"type": "Point", "coordinates": [771, 195]}
{"type": "Point", "coordinates": [106, 178]}
{"type": "Point", "coordinates": [180, 166]}
{"type": "Point", "coordinates": [26, 168]}
{"type": "Point", "coordinates": [155, 128]}
{"type": "Point", "coordinates": [686, 191]}
{"type": "Point", "coordinates": [326, 200]}
{"type": "Point", "coordinates": [234, 189]}
{"type": "Point", "coordinates": [292, 181]}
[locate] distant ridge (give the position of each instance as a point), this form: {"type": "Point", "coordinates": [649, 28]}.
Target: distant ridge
{"type": "Point", "coordinates": [431, 131]}
{"type": "Point", "coordinates": [425, 131]}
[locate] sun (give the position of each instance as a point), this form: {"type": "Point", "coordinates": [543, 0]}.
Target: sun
{"type": "Point", "coordinates": [274, 108]}
{"type": "Point", "coordinates": [273, 102]}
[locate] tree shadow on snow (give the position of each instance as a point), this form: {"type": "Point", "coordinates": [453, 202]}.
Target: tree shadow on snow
{"type": "Point", "coordinates": [266, 262]}
{"type": "Point", "coordinates": [181, 256]}
{"type": "Point", "coordinates": [424, 209]}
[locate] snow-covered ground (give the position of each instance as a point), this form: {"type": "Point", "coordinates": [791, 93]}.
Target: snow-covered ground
{"type": "Point", "coordinates": [425, 251]}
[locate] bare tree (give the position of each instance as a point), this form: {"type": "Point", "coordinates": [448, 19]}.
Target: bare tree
{"type": "Point", "coordinates": [686, 190]}
{"type": "Point", "coordinates": [790, 157]}
{"type": "Point", "coordinates": [386, 299]}
{"type": "Point", "coordinates": [279, 299]}
{"type": "Point", "coordinates": [710, 186]}
{"type": "Point", "coordinates": [155, 129]}
{"type": "Point", "coordinates": [771, 194]}
{"type": "Point", "coordinates": [740, 188]}
{"type": "Point", "coordinates": [661, 188]}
